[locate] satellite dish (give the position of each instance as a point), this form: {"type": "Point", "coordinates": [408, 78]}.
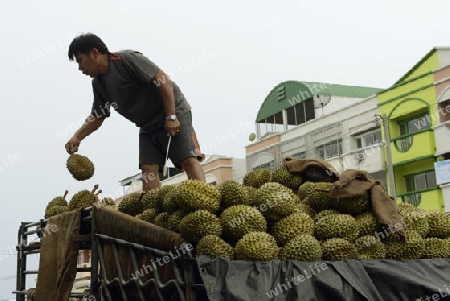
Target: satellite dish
{"type": "Point", "coordinates": [321, 100]}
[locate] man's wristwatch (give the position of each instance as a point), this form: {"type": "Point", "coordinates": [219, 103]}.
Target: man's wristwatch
{"type": "Point", "coordinates": [171, 117]}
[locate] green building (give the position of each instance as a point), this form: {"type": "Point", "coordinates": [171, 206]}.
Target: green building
{"type": "Point", "coordinates": [415, 107]}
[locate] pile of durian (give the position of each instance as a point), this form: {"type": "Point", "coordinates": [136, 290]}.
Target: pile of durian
{"type": "Point", "coordinates": [277, 215]}
{"type": "Point", "coordinates": [81, 199]}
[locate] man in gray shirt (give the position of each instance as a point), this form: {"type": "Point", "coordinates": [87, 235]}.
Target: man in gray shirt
{"type": "Point", "coordinates": [141, 92]}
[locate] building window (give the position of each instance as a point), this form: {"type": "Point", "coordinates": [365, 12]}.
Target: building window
{"type": "Point", "coordinates": [368, 139]}
{"type": "Point", "coordinates": [422, 181]}
{"type": "Point", "coordinates": [329, 150]}
{"type": "Point", "coordinates": [409, 127]}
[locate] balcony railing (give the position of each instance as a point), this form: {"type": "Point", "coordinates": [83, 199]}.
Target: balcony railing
{"type": "Point", "coordinates": [413, 146]}
{"type": "Point", "coordinates": [430, 199]}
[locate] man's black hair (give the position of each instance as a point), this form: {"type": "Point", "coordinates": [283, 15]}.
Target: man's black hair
{"type": "Point", "coordinates": [84, 43]}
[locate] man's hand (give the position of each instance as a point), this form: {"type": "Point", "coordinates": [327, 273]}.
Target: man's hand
{"type": "Point", "coordinates": [172, 127]}
{"type": "Point", "coordinates": [72, 145]}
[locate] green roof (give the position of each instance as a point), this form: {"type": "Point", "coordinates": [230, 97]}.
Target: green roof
{"type": "Point", "coordinates": [290, 93]}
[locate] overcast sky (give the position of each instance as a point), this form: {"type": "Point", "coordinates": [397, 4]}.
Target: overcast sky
{"type": "Point", "coordinates": [226, 56]}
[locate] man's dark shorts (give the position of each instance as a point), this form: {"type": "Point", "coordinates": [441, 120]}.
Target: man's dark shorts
{"type": "Point", "coordinates": [153, 144]}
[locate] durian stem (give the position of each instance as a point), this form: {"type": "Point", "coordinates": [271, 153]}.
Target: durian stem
{"type": "Point", "coordinates": [65, 194]}
{"type": "Point", "coordinates": [98, 192]}
{"type": "Point", "coordinates": [95, 188]}
{"type": "Point", "coordinates": [141, 196]}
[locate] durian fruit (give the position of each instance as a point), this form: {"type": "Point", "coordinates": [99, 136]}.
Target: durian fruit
{"type": "Point", "coordinates": [325, 213]}
{"type": "Point", "coordinates": [199, 223]}
{"type": "Point", "coordinates": [196, 195]}
{"type": "Point", "coordinates": [239, 220]}
{"type": "Point", "coordinates": [173, 222]}
{"type": "Point", "coordinates": [303, 208]}
{"type": "Point", "coordinates": [316, 195]}
{"type": "Point", "coordinates": [436, 248]}
{"type": "Point", "coordinates": [275, 201]}
{"type": "Point", "coordinates": [339, 249]}
{"type": "Point", "coordinates": [284, 177]}
{"type": "Point", "coordinates": [353, 205]}
{"type": "Point", "coordinates": [232, 193]}
{"type": "Point", "coordinates": [58, 201]}
{"type": "Point", "coordinates": [150, 200]}
{"type": "Point", "coordinates": [107, 201]}
{"type": "Point", "coordinates": [412, 247]}
{"type": "Point", "coordinates": [369, 247]}
{"type": "Point", "coordinates": [416, 219]}
{"type": "Point", "coordinates": [256, 178]}
{"type": "Point", "coordinates": [80, 167]}
{"type": "Point", "coordinates": [162, 220]}
{"type": "Point", "coordinates": [439, 223]}
{"type": "Point", "coordinates": [291, 226]}
{"type": "Point", "coordinates": [170, 202]}
{"type": "Point", "coordinates": [317, 174]}
{"type": "Point", "coordinates": [336, 226]}
{"type": "Point", "coordinates": [251, 193]}
{"type": "Point", "coordinates": [139, 216]}
{"type": "Point", "coordinates": [366, 223]}
{"type": "Point", "coordinates": [258, 246]}
{"type": "Point", "coordinates": [84, 198]}
{"type": "Point", "coordinates": [131, 204]}
{"type": "Point", "coordinates": [303, 247]}
{"type": "Point", "coordinates": [149, 215]}
{"type": "Point", "coordinates": [55, 210]}
{"type": "Point", "coordinates": [214, 246]}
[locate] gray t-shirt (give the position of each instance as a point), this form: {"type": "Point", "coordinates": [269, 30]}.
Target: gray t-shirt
{"type": "Point", "coordinates": [127, 86]}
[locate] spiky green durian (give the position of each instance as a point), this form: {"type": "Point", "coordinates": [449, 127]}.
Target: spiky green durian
{"type": "Point", "coordinates": [316, 195]}
{"type": "Point", "coordinates": [214, 246]}
{"type": "Point", "coordinates": [325, 213]}
{"type": "Point", "coordinates": [107, 201]}
{"type": "Point", "coordinates": [317, 174]}
{"type": "Point", "coordinates": [174, 220]}
{"type": "Point", "coordinates": [131, 204]}
{"type": "Point", "coordinates": [436, 248]}
{"type": "Point", "coordinates": [55, 210]}
{"type": "Point", "coordinates": [366, 223]}
{"type": "Point", "coordinates": [199, 223]}
{"type": "Point", "coordinates": [232, 193]}
{"type": "Point", "coordinates": [412, 247]}
{"type": "Point", "coordinates": [291, 226]}
{"type": "Point", "coordinates": [339, 249]}
{"type": "Point", "coordinates": [303, 208]}
{"type": "Point", "coordinates": [80, 167]}
{"type": "Point", "coordinates": [83, 198]}
{"type": "Point", "coordinates": [239, 220]}
{"type": "Point", "coordinates": [275, 201]}
{"type": "Point", "coordinates": [336, 226]}
{"type": "Point", "coordinates": [251, 193]}
{"type": "Point", "coordinates": [58, 201]}
{"type": "Point", "coordinates": [170, 202]}
{"type": "Point", "coordinates": [162, 220]}
{"type": "Point", "coordinates": [439, 223]}
{"type": "Point", "coordinates": [149, 215]}
{"type": "Point", "coordinates": [150, 200]}
{"type": "Point", "coordinates": [284, 177]}
{"type": "Point", "coordinates": [416, 219]}
{"type": "Point", "coordinates": [196, 195]}
{"type": "Point", "coordinates": [406, 207]}
{"type": "Point", "coordinates": [139, 216]}
{"type": "Point", "coordinates": [369, 247]}
{"type": "Point", "coordinates": [256, 246]}
{"type": "Point", "coordinates": [302, 247]}
{"type": "Point", "coordinates": [256, 178]}
{"type": "Point", "coordinates": [354, 205]}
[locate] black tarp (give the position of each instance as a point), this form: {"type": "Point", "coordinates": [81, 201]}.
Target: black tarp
{"type": "Point", "coordinates": [374, 280]}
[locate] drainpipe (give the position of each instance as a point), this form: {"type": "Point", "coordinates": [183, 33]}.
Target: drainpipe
{"type": "Point", "coordinates": [389, 156]}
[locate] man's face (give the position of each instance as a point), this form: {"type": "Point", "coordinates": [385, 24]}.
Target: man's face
{"type": "Point", "coordinates": [88, 63]}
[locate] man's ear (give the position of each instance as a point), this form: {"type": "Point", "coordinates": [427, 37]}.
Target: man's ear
{"type": "Point", "coordinates": [94, 53]}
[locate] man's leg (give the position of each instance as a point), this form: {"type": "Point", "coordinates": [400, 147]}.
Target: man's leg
{"type": "Point", "coordinates": [193, 169]}
{"type": "Point", "coordinates": [150, 177]}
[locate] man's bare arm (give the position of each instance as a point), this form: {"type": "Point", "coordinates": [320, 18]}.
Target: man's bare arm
{"type": "Point", "coordinates": [90, 125]}
{"type": "Point", "coordinates": [165, 89]}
